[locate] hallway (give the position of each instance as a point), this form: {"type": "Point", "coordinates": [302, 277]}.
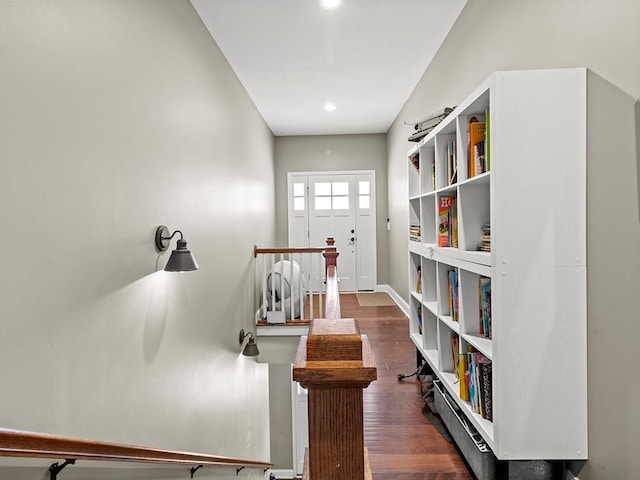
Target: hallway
{"type": "Point", "coordinates": [402, 443]}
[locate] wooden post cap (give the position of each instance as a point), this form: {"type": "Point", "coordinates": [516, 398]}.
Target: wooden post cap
{"type": "Point", "coordinates": [334, 340]}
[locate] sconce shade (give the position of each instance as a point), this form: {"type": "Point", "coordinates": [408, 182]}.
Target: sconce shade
{"type": "Point", "coordinates": [181, 259]}
{"type": "Point", "coordinates": [251, 348]}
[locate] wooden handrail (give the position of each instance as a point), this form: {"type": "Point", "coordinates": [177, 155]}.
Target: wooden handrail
{"type": "Point", "coordinates": [332, 300]}
{"type": "Point", "coordinates": [17, 443]}
{"type": "Point", "coordinates": [257, 250]}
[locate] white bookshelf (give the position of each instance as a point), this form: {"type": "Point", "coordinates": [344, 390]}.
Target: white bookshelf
{"type": "Point", "coordinates": [534, 197]}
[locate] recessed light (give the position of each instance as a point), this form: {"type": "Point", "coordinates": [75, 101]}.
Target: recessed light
{"type": "Point", "coordinates": [330, 4]}
{"type": "Point", "coordinates": [330, 107]}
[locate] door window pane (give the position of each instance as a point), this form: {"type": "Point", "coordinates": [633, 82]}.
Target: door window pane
{"type": "Point", "coordinates": [323, 189]}
{"type": "Point", "coordinates": [341, 203]}
{"type": "Point", "coordinates": [340, 188]}
{"type": "Point", "coordinates": [298, 190]}
{"type": "Point", "coordinates": [364, 201]}
{"type": "Point", "coordinates": [323, 203]}
{"type": "Point", "coordinates": [298, 196]}
{"type": "Point", "coordinates": [363, 188]}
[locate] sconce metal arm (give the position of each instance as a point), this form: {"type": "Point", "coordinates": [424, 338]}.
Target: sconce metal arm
{"type": "Point", "coordinates": [164, 237]}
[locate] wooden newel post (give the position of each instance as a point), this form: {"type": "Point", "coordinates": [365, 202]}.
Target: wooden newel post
{"type": "Point", "coordinates": [335, 363]}
{"type": "Point", "coordinates": [331, 253]}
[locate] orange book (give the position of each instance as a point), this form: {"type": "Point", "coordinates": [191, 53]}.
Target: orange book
{"type": "Point", "coordinates": [476, 135]}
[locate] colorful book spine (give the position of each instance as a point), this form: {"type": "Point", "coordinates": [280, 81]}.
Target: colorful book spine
{"type": "Point", "coordinates": [484, 302]}
{"type": "Point", "coordinates": [452, 284]}
{"type": "Point", "coordinates": [463, 375]}
{"type": "Point", "coordinates": [445, 206]}
{"type": "Point", "coordinates": [453, 214]}
{"type": "Point", "coordinates": [455, 354]}
{"type": "Point", "coordinates": [477, 131]}
{"type": "Point", "coordinates": [452, 163]}
{"type": "Point", "coordinates": [487, 392]}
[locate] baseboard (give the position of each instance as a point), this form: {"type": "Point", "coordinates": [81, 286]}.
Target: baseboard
{"type": "Point", "coordinates": [283, 474]}
{"type": "Point", "coordinates": [404, 306]}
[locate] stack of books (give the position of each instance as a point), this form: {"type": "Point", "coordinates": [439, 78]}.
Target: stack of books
{"type": "Point", "coordinates": [414, 233]}
{"type": "Point", "coordinates": [485, 245]}
{"type": "Point", "coordinates": [475, 375]}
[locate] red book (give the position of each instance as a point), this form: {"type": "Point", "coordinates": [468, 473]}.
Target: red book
{"type": "Point", "coordinates": [445, 206]}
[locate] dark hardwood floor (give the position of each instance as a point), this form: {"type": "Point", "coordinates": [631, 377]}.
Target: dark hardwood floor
{"type": "Point", "coordinates": [402, 443]}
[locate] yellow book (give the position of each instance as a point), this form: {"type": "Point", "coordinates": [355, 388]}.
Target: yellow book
{"type": "Point", "coordinates": [462, 375]}
{"type": "Point", "coordinates": [476, 135]}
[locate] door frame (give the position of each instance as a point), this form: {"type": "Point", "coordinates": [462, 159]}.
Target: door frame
{"type": "Point", "coordinates": [291, 217]}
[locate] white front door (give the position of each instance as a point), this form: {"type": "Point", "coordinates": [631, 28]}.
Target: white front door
{"type": "Point", "coordinates": [341, 205]}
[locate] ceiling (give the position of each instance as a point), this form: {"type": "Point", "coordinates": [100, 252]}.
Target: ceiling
{"type": "Point", "coordinates": [293, 57]}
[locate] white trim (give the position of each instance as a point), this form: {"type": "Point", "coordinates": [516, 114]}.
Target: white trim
{"type": "Point", "coordinates": [404, 306]}
{"type": "Point", "coordinates": [281, 330]}
{"type": "Point", "coordinates": [333, 172]}
{"type": "Point", "coordinates": [283, 473]}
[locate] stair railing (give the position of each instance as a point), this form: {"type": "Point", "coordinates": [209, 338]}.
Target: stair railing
{"type": "Point", "coordinates": [17, 443]}
{"type": "Point", "coordinates": [290, 282]}
{"type": "Point", "coordinates": [335, 363]}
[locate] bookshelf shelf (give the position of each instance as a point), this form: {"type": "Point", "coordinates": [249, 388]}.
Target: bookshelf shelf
{"type": "Point", "coordinates": [455, 326]}
{"type": "Point", "coordinates": [431, 306]}
{"type": "Point", "coordinates": [503, 263]}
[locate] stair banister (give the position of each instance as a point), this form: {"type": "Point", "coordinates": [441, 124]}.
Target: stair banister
{"type": "Point", "coordinates": [335, 363]}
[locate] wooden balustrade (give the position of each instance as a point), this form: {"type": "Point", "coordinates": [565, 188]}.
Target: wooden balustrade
{"type": "Point", "coordinates": [297, 282]}
{"type": "Point", "coordinates": [335, 363]}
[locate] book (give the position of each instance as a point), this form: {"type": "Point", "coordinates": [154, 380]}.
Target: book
{"type": "Point", "coordinates": [433, 174]}
{"type": "Point", "coordinates": [485, 244]}
{"type": "Point", "coordinates": [446, 202]}
{"type": "Point", "coordinates": [415, 161]}
{"type": "Point", "coordinates": [487, 140]}
{"type": "Point", "coordinates": [484, 302]}
{"type": "Point", "coordinates": [419, 280]}
{"type": "Point", "coordinates": [452, 164]}
{"type": "Point", "coordinates": [476, 134]}
{"type": "Point", "coordinates": [455, 354]}
{"type": "Point", "coordinates": [486, 389]}
{"type": "Point", "coordinates": [452, 284]}
{"type": "Point", "coordinates": [479, 158]}
{"type": "Point", "coordinates": [414, 233]}
{"type": "Point", "coordinates": [463, 376]}
{"type": "Point", "coordinates": [454, 223]}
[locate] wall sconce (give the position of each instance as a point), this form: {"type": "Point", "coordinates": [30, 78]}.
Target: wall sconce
{"type": "Point", "coordinates": [251, 349]}
{"type": "Point", "coordinates": [181, 259]}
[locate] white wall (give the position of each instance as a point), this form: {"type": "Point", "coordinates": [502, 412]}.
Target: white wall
{"type": "Point", "coordinates": [334, 153]}
{"type": "Point", "coordinates": [116, 117]}
{"type": "Point", "coordinates": [495, 35]}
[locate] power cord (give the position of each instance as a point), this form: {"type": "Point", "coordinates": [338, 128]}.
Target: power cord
{"type": "Point", "coordinates": [402, 376]}
{"type": "Point", "coordinates": [423, 368]}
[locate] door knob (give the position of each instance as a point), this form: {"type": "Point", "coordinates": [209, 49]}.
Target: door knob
{"type": "Point", "coordinates": [353, 231]}
{"type": "Point", "coordinates": [353, 239]}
